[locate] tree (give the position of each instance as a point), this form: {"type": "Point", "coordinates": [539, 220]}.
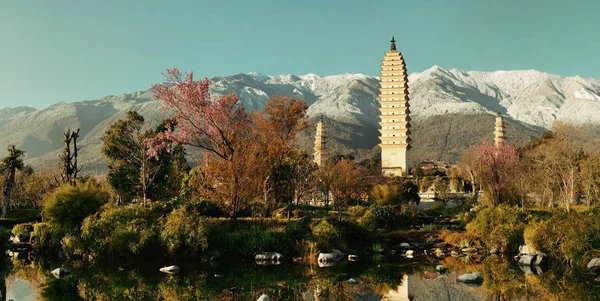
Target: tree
{"type": "Point", "coordinates": [10, 165]}
{"type": "Point", "coordinates": [278, 126]}
{"type": "Point", "coordinates": [346, 181]}
{"type": "Point", "coordinates": [132, 171]}
{"type": "Point", "coordinates": [68, 159]}
{"type": "Point", "coordinates": [221, 128]}
{"type": "Point", "coordinates": [590, 177]}
{"type": "Point", "coordinates": [497, 166]}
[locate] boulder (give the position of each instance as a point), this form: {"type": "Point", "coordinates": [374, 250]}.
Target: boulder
{"type": "Point", "coordinates": [268, 256]}
{"type": "Point", "coordinates": [263, 297]}
{"type": "Point", "coordinates": [469, 250]}
{"type": "Point", "coordinates": [405, 245]}
{"type": "Point", "coordinates": [334, 256]}
{"type": "Point", "coordinates": [60, 273]}
{"type": "Point", "coordinates": [594, 264]}
{"type": "Point", "coordinates": [170, 269]}
{"type": "Point", "coordinates": [439, 252]}
{"type": "Point", "coordinates": [352, 257]}
{"type": "Point", "coordinates": [533, 259]}
{"type": "Point", "coordinates": [410, 253]}
{"type": "Point", "coordinates": [527, 250]}
{"type": "Point", "coordinates": [470, 278]}
{"type": "Point", "coordinates": [352, 281]}
{"type": "Point", "coordinates": [440, 268]}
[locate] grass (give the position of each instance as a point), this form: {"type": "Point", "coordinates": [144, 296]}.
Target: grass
{"type": "Point", "coordinates": [20, 215]}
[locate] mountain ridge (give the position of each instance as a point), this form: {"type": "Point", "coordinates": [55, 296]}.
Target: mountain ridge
{"type": "Point", "coordinates": [530, 99]}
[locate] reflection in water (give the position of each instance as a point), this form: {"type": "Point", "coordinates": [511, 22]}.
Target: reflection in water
{"type": "Point", "coordinates": [345, 281]}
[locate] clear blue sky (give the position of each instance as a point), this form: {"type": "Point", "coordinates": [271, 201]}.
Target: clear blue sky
{"type": "Point", "coordinates": [60, 50]}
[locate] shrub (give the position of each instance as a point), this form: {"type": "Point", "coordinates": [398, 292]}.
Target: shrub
{"type": "Point", "coordinates": [570, 238]}
{"type": "Point", "coordinates": [357, 211]}
{"type": "Point", "coordinates": [46, 238]}
{"type": "Point", "coordinates": [500, 227]}
{"type": "Point", "coordinates": [22, 229]}
{"type": "Point", "coordinates": [68, 205]}
{"type": "Point", "coordinates": [184, 229]}
{"type": "Point", "coordinates": [326, 230]}
{"type": "Point", "coordinates": [389, 217]}
{"type": "Point", "coordinates": [124, 230]}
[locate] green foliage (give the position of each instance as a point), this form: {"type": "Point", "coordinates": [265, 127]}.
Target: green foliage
{"type": "Point", "coordinates": [389, 217]}
{"type": "Point", "coordinates": [500, 227]}
{"type": "Point", "coordinates": [184, 229]}
{"type": "Point", "coordinates": [69, 205]}
{"type": "Point", "coordinates": [357, 211]}
{"type": "Point", "coordinates": [571, 238]}
{"type": "Point", "coordinates": [395, 193]}
{"type": "Point", "coordinates": [46, 238]}
{"type": "Point", "coordinates": [22, 229]}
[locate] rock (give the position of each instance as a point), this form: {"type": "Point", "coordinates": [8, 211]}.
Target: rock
{"type": "Point", "coordinates": [440, 268]}
{"type": "Point", "coordinates": [527, 250]}
{"type": "Point", "coordinates": [470, 278]}
{"type": "Point", "coordinates": [352, 257]}
{"type": "Point", "coordinates": [594, 264]}
{"type": "Point", "coordinates": [297, 259]}
{"type": "Point", "coordinates": [430, 275]}
{"type": "Point", "coordinates": [410, 253]}
{"type": "Point", "coordinates": [540, 259]}
{"type": "Point", "coordinates": [268, 256]}
{"type": "Point", "coordinates": [526, 260]}
{"type": "Point", "coordinates": [493, 251]}
{"type": "Point", "coordinates": [405, 245]}
{"type": "Point", "coordinates": [454, 253]}
{"type": "Point", "coordinates": [170, 269]}
{"type": "Point", "coordinates": [60, 273]}
{"type": "Point", "coordinates": [438, 252]}
{"type": "Point", "coordinates": [334, 256]}
{"type": "Point", "coordinates": [352, 281]}
{"type": "Point", "coordinates": [263, 297]}
{"type": "Point", "coordinates": [533, 259]}
{"type": "Point", "coordinates": [469, 250]}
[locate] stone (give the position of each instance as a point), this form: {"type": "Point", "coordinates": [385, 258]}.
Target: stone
{"type": "Point", "coordinates": [527, 250]}
{"type": "Point", "coordinates": [440, 268]}
{"type": "Point", "coordinates": [540, 259]}
{"type": "Point", "coordinates": [352, 281]}
{"type": "Point", "coordinates": [60, 273]}
{"type": "Point", "coordinates": [263, 297]}
{"type": "Point", "coordinates": [493, 251]}
{"type": "Point", "coordinates": [334, 256]}
{"type": "Point", "coordinates": [439, 252]}
{"type": "Point", "coordinates": [454, 253]}
{"type": "Point", "coordinates": [410, 253]}
{"type": "Point", "coordinates": [526, 260]}
{"type": "Point", "coordinates": [173, 269]}
{"type": "Point", "coordinates": [594, 264]}
{"type": "Point", "coordinates": [268, 256]}
{"type": "Point", "coordinates": [352, 257]}
{"type": "Point", "coordinates": [469, 250]}
{"type": "Point", "coordinates": [404, 245]}
{"type": "Point", "coordinates": [470, 278]}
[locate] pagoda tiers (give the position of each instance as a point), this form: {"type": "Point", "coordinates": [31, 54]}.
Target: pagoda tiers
{"type": "Point", "coordinates": [499, 131]}
{"type": "Point", "coordinates": [394, 114]}
{"type": "Point", "coordinates": [320, 154]}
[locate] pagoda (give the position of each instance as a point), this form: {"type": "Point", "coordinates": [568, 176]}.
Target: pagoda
{"type": "Point", "coordinates": [499, 131]}
{"type": "Point", "coordinates": [320, 154]}
{"type": "Point", "coordinates": [394, 132]}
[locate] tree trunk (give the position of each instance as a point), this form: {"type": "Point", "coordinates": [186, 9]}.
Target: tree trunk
{"type": "Point", "coordinates": [8, 185]}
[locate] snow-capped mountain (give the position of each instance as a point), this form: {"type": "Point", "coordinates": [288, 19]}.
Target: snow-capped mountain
{"type": "Point", "coordinates": [530, 99]}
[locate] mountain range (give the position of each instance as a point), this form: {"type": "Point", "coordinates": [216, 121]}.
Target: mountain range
{"type": "Point", "coordinates": [451, 109]}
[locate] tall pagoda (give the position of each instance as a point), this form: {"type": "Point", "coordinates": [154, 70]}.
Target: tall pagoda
{"type": "Point", "coordinates": [394, 114]}
{"type": "Point", "coordinates": [320, 154]}
{"type": "Point", "coordinates": [499, 131]}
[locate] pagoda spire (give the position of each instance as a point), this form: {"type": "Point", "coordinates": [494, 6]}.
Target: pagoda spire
{"type": "Point", "coordinates": [394, 113]}
{"type": "Point", "coordinates": [499, 131]}
{"type": "Point", "coordinates": [320, 153]}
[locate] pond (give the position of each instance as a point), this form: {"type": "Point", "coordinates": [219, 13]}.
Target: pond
{"type": "Point", "coordinates": [407, 279]}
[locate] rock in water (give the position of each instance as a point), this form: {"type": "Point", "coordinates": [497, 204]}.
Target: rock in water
{"type": "Point", "coordinates": [352, 281]}
{"type": "Point", "coordinates": [60, 273]}
{"type": "Point", "coordinates": [440, 268]}
{"type": "Point", "coordinates": [594, 264]}
{"type": "Point", "coordinates": [470, 278]}
{"type": "Point", "coordinates": [170, 269]}
{"type": "Point", "coordinates": [263, 297]}
{"type": "Point", "coordinates": [352, 257]}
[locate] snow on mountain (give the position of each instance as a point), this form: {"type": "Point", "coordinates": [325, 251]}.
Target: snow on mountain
{"type": "Point", "coordinates": [530, 97]}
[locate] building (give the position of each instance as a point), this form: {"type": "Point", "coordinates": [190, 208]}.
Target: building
{"type": "Point", "coordinates": [394, 132]}
{"type": "Point", "coordinates": [320, 154]}
{"type": "Point", "coordinates": [499, 131]}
